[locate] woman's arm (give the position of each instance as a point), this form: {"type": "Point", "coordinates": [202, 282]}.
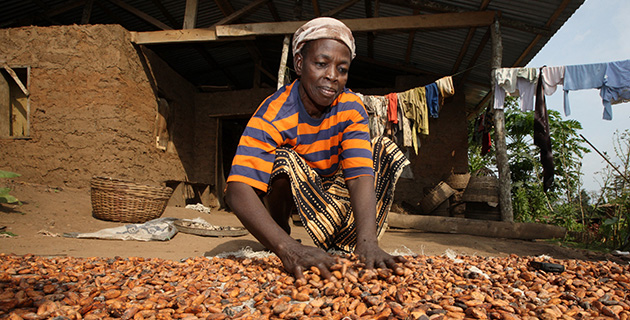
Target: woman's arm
{"type": "Point", "coordinates": [363, 201]}
{"type": "Point", "coordinates": [295, 257]}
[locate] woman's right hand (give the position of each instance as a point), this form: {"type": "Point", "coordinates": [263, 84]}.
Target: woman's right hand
{"type": "Point", "coordinates": [298, 258]}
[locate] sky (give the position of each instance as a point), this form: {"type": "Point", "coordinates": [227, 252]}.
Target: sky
{"type": "Point", "coordinates": [596, 32]}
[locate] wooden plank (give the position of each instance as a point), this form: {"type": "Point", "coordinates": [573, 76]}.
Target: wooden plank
{"type": "Point", "coordinates": [171, 36]}
{"type": "Point", "coordinates": [17, 79]}
{"type": "Point", "coordinates": [433, 21]}
{"type": "Point", "coordinates": [190, 14]}
{"type": "Point", "coordinates": [485, 228]}
{"type": "Point", "coordinates": [19, 113]}
{"type": "Point", "coordinates": [141, 15]}
{"type": "Point", "coordinates": [5, 106]}
{"type": "Point", "coordinates": [505, 182]}
{"type": "Point", "coordinates": [241, 12]}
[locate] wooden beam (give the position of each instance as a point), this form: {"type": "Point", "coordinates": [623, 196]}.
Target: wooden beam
{"type": "Point", "coordinates": [484, 228]}
{"type": "Point", "coordinates": [173, 36]}
{"type": "Point", "coordinates": [339, 9]}
{"type": "Point", "coordinates": [469, 36]}
{"type": "Point", "coordinates": [410, 40]}
{"type": "Point", "coordinates": [173, 22]}
{"type": "Point", "coordinates": [87, 12]}
{"type": "Point", "coordinates": [551, 20]}
{"type": "Point", "coordinates": [190, 14]}
{"type": "Point", "coordinates": [433, 21]}
{"type": "Point", "coordinates": [147, 18]}
{"type": "Point", "coordinates": [224, 6]}
{"type": "Point", "coordinates": [435, 7]}
{"type": "Point", "coordinates": [475, 57]}
{"type": "Point", "coordinates": [316, 8]}
{"type": "Point", "coordinates": [241, 12]}
{"type": "Point", "coordinates": [273, 11]}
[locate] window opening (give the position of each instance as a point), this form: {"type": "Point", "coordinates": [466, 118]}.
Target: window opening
{"type": "Point", "coordinates": [14, 102]}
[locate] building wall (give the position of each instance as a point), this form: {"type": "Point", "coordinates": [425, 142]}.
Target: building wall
{"type": "Point", "coordinates": [94, 104]}
{"type": "Point", "coordinates": [92, 109]}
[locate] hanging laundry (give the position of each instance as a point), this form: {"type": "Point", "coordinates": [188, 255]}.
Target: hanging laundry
{"type": "Point", "coordinates": [616, 88]}
{"type": "Point", "coordinates": [519, 82]}
{"type": "Point", "coordinates": [376, 106]}
{"type": "Point", "coordinates": [414, 104]}
{"type": "Point", "coordinates": [579, 77]}
{"type": "Point", "coordinates": [482, 133]}
{"type": "Point", "coordinates": [552, 77]}
{"type": "Point", "coordinates": [445, 88]}
{"type": "Point", "coordinates": [542, 135]}
{"type": "Point", "coordinates": [392, 107]}
{"type": "Point", "coordinates": [404, 125]}
{"type": "Point", "coordinates": [433, 100]}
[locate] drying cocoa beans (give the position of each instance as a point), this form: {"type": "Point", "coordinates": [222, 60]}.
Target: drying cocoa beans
{"type": "Point", "coordinates": [464, 287]}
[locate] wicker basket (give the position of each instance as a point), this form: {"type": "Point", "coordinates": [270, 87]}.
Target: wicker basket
{"type": "Point", "coordinates": [458, 181]}
{"type": "Point", "coordinates": [435, 197]}
{"type": "Point", "coordinates": [125, 201]}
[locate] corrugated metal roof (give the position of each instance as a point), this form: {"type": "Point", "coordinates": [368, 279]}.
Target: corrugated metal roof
{"type": "Point", "coordinates": [433, 53]}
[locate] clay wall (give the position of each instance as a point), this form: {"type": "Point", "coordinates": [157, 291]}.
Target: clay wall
{"type": "Point", "coordinates": [92, 109]}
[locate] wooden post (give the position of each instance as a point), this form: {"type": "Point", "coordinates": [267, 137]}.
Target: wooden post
{"type": "Point", "coordinates": [283, 60]}
{"type": "Point", "coordinates": [505, 182]}
{"type": "Point", "coordinates": [5, 106]}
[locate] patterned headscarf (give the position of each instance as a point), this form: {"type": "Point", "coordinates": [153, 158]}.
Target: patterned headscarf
{"type": "Point", "coordinates": [323, 28]}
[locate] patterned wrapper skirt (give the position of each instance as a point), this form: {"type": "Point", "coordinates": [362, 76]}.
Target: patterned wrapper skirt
{"type": "Point", "coordinates": [323, 203]}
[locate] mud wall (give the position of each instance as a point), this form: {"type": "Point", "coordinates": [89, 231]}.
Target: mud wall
{"type": "Point", "coordinates": [92, 109]}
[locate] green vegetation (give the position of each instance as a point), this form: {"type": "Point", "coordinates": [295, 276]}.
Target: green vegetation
{"type": "Point", "coordinates": [591, 218]}
{"type": "Point", "coordinates": [5, 197]}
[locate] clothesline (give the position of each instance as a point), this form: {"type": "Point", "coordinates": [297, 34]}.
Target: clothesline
{"type": "Point", "coordinates": [402, 116]}
{"type": "Point", "coordinates": [612, 78]}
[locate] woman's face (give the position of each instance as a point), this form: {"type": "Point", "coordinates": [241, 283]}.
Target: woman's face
{"type": "Point", "coordinates": [323, 69]}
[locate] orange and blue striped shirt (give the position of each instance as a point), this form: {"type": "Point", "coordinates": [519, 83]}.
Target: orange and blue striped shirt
{"type": "Point", "coordinates": [340, 138]}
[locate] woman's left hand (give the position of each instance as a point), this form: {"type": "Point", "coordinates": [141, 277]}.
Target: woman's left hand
{"type": "Point", "coordinates": [375, 257]}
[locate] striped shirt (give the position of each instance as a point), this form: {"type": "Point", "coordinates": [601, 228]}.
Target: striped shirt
{"type": "Point", "coordinates": [340, 138]}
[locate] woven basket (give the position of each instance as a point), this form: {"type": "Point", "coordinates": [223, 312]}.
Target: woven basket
{"type": "Point", "coordinates": [482, 189]}
{"type": "Point", "coordinates": [435, 197]}
{"type": "Point", "coordinates": [125, 201]}
{"type": "Point", "coordinates": [458, 181]}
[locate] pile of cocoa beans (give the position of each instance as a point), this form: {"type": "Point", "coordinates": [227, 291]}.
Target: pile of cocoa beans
{"type": "Point", "coordinates": [438, 287]}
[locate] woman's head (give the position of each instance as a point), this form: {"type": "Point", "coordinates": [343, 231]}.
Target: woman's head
{"type": "Point", "coordinates": [322, 52]}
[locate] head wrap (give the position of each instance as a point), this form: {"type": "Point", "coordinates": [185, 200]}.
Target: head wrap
{"type": "Point", "coordinates": [323, 28]}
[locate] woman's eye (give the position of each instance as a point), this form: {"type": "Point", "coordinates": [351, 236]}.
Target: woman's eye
{"type": "Point", "coordinates": [343, 70]}
{"type": "Point", "coordinates": [320, 64]}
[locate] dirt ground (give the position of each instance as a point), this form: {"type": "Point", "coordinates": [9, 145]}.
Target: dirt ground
{"type": "Point", "coordinates": [47, 212]}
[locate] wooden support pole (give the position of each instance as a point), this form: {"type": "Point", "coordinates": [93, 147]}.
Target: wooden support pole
{"type": "Point", "coordinates": [87, 12]}
{"type": "Point", "coordinates": [505, 182]}
{"type": "Point", "coordinates": [283, 60]}
{"type": "Point", "coordinates": [190, 14]}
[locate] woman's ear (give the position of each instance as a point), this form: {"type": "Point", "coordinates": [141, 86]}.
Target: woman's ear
{"type": "Point", "coordinates": [298, 60]}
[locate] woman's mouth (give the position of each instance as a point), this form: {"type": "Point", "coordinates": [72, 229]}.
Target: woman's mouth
{"type": "Point", "coordinates": [327, 91]}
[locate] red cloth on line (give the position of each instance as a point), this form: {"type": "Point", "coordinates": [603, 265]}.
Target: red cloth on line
{"type": "Point", "coordinates": [392, 107]}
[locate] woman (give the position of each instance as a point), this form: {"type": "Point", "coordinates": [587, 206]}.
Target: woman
{"type": "Point", "coordinates": [308, 145]}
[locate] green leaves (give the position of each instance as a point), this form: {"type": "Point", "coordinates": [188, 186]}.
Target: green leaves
{"type": "Point", "coordinates": [5, 197]}
{"type": "Point", "coordinates": [7, 174]}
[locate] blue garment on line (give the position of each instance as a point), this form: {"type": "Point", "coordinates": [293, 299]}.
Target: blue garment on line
{"type": "Point", "coordinates": [432, 96]}
{"type": "Point", "coordinates": [616, 86]}
{"type": "Point", "coordinates": [583, 76]}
